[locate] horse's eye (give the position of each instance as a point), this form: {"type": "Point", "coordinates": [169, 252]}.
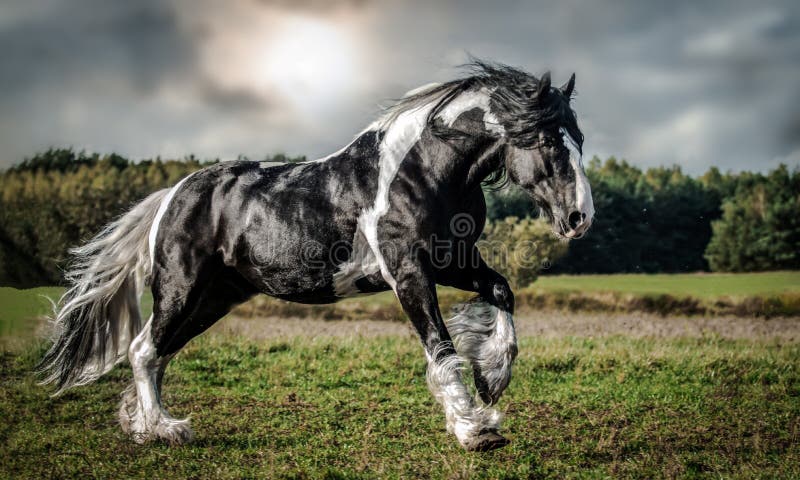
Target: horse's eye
{"type": "Point", "coordinates": [549, 142]}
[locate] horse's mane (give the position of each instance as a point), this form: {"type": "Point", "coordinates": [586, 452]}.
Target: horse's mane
{"type": "Point", "coordinates": [514, 102]}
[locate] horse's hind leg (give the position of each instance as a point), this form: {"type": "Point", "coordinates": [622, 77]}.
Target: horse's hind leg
{"type": "Point", "coordinates": [141, 413]}
{"type": "Point", "coordinates": [177, 318]}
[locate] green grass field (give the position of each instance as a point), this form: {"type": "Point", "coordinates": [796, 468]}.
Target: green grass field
{"type": "Point", "coordinates": [299, 408]}
{"type": "Point", "coordinates": [20, 310]}
{"type": "Point", "coordinates": [358, 407]}
{"type": "Point", "coordinates": [701, 285]}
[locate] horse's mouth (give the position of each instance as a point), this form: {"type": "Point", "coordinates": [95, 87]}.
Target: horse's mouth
{"type": "Point", "coordinates": [564, 232]}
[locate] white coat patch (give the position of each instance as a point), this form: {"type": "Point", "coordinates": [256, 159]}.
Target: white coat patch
{"type": "Point", "coordinates": [466, 102]}
{"type": "Point", "coordinates": [160, 213]}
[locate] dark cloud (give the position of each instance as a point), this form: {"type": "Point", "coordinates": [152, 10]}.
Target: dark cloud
{"type": "Point", "coordinates": [134, 42]}
{"type": "Point", "coordinates": [790, 134]}
{"type": "Point", "coordinates": [693, 83]}
{"type": "Point", "coordinates": [233, 100]}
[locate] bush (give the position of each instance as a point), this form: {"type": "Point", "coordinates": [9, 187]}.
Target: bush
{"type": "Point", "coordinates": [520, 248]}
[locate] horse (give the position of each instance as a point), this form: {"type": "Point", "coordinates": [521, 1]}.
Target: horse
{"type": "Point", "coordinates": [359, 221]}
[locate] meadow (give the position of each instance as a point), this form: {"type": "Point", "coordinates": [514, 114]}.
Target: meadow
{"type": "Point", "coordinates": [701, 285]}
{"type": "Point", "coordinates": [359, 408]}
{"type": "Point", "coordinates": [347, 399]}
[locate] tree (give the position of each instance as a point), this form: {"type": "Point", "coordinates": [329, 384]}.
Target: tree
{"type": "Point", "coordinates": [654, 220]}
{"type": "Point", "coordinates": [760, 226]}
{"type": "Point", "coordinates": [60, 198]}
{"type": "Point", "coordinates": [647, 221]}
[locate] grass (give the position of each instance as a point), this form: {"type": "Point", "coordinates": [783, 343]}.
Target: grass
{"type": "Point", "coordinates": [359, 408]}
{"type": "Point", "coordinates": [771, 294]}
{"type": "Point", "coordinates": [699, 285]}
{"type": "Point", "coordinates": [20, 308]}
{"type": "Point", "coordinates": [299, 408]}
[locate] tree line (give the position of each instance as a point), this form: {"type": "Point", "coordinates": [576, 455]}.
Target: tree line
{"type": "Point", "coordinates": [663, 220]}
{"type": "Point", "coordinates": [654, 220]}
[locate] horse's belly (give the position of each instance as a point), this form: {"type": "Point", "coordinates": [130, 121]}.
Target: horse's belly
{"type": "Point", "coordinates": [312, 278]}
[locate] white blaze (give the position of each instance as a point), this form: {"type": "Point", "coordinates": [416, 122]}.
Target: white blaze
{"type": "Point", "coordinates": [583, 192]}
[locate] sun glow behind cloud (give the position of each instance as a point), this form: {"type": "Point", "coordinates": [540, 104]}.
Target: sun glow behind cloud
{"type": "Point", "coordinates": [301, 65]}
{"type": "Point", "coordinates": [308, 62]}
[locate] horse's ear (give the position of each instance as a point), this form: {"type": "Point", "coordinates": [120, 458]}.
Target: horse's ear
{"type": "Point", "coordinates": [544, 86]}
{"type": "Point", "coordinates": [569, 87]}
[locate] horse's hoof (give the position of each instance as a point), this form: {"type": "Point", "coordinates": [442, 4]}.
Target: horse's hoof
{"type": "Point", "coordinates": [485, 441]}
{"type": "Point", "coordinates": [174, 432]}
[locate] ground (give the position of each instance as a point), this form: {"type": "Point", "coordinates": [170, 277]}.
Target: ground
{"type": "Point", "coordinates": [592, 396]}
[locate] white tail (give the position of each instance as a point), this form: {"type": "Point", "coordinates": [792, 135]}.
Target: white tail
{"type": "Point", "coordinates": [99, 315]}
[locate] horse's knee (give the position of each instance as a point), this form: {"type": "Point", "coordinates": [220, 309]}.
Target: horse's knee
{"type": "Point", "coordinates": [500, 295]}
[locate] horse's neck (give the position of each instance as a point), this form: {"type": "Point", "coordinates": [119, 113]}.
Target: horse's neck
{"type": "Point", "coordinates": [465, 165]}
{"type": "Point", "coordinates": [461, 166]}
{"type": "Point", "coordinates": [485, 161]}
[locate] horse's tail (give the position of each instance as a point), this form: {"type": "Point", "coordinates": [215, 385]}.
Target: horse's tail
{"type": "Point", "coordinates": [99, 315]}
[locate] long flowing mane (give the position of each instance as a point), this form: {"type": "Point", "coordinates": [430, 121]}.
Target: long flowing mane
{"type": "Point", "coordinates": [514, 102]}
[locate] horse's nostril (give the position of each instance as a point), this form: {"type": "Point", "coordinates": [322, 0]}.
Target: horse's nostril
{"type": "Point", "coordinates": [575, 219]}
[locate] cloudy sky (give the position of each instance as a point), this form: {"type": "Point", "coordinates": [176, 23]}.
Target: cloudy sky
{"type": "Point", "coordinates": [696, 83]}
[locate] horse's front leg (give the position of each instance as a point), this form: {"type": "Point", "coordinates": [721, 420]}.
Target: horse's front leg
{"type": "Point", "coordinates": [475, 427]}
{"type": "Point", "coordinates": [483, 330]}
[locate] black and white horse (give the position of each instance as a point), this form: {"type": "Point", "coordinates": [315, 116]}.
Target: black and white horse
{"type": "Point", "coordinates": [361, 220]}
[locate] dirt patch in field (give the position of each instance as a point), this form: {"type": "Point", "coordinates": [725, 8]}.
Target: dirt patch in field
{"type": "Point", "coordinates": [559, 324]}
{"type": "Point", "coordinates": [276, 327]}
{"type": "Point", "coordinates": [548, 324]}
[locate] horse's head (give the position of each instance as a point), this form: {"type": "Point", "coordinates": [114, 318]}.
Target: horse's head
{"type": "Point", "coordinates": [519, 125]}
{"type": "Point", "coordinates": [543, 152]}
